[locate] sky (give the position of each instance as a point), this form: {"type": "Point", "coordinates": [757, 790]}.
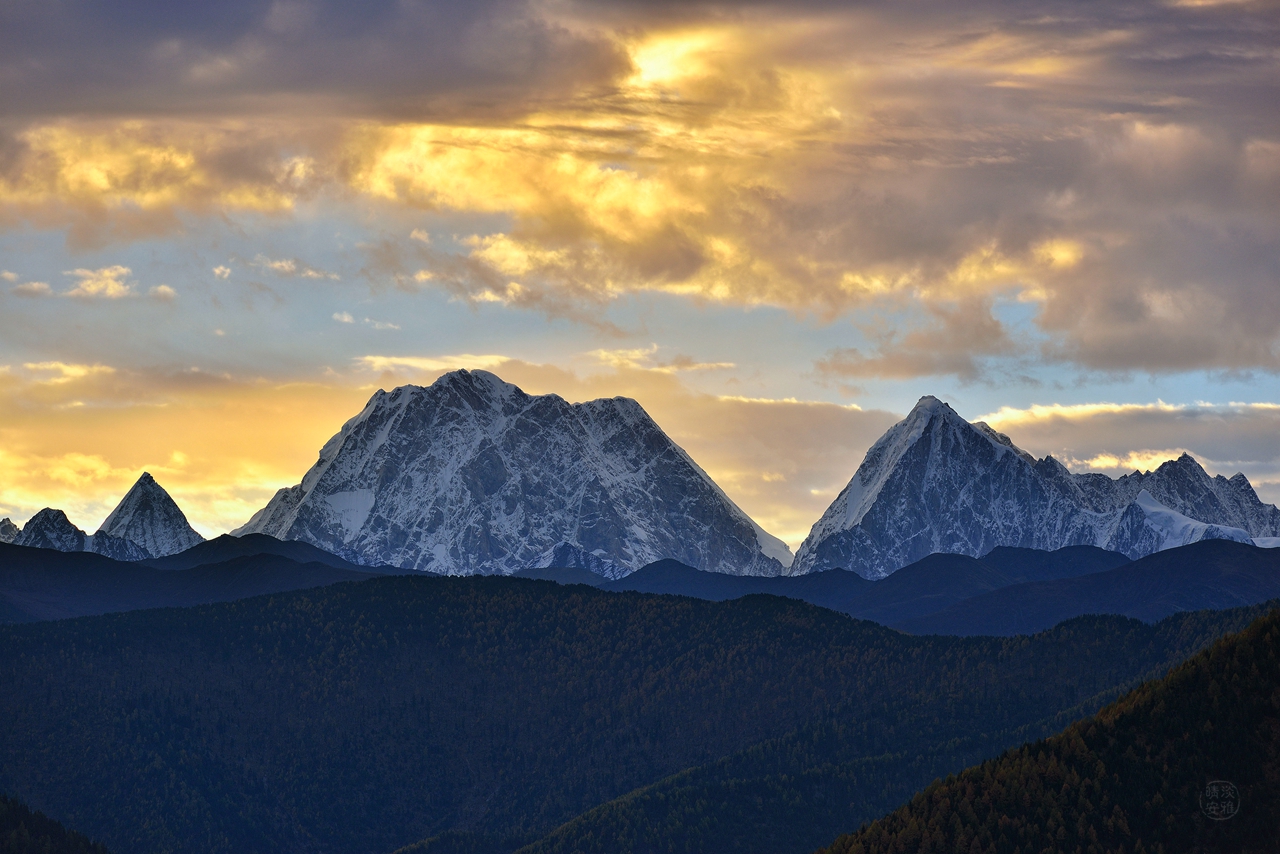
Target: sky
{"type": "Point", "coordinates": [224, 226]}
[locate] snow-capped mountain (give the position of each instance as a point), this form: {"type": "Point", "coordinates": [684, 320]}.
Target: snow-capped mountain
{"type": "Point", "coordinates": [51, 529]}
{"type": "Point", "coordinates": [148, 517]}
{"type": "Point", "coordinates": [936, 483]}
{"type": "Point", "coordinates": [472, 475]}
{"type": "Point", "coordinates": [8, 531]}
{"type": "Point", "coordinates": [145, 524]}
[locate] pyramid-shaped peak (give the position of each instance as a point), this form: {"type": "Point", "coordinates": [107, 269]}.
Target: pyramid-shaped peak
{"type": "Point", "coordinates": [150, 518]}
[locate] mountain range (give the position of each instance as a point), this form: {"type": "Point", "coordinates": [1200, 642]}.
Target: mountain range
{"type": "Point", "coordinates": [147, 523]}
{"type": "Point", "coordinates": [936, 483]}
{"type": "Point", "coordinates": [471, 475]}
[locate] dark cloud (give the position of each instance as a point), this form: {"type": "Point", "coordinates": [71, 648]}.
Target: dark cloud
{"type": "Point", "coordinates": [404, 58]}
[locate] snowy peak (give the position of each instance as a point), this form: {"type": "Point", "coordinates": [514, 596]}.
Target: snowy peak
{"type": "Point", "coordinates": [473, 475]}
{"type": "Point", "coordinates": [8, 531]}
{"type": "Point", "coordinates": [51, 529]}
{"type": "Point", "coordinates": [931, 453]}
{"type": "Point", "coordinates": [148, 517]}
{"type": "Point", "coordinates": [936, 483]}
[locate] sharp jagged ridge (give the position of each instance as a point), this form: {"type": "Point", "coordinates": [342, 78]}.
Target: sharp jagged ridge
{"type": "Point", "coordinates": [936, 483]}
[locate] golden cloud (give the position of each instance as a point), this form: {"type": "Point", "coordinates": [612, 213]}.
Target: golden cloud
{"type": "Point", "coordinates": [816, 162]}
{"type": "Point", "coordinates": [125, 180]}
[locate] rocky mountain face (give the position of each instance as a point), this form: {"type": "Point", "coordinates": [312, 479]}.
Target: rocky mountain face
{"type": "Point", "coordinates": [936, 483]}
{"type": "Point", "coordinates": [51, 529]}
{"type": "Point", "coordinates": [148, 517]}
{"type": "Point", "coordinates": [145, 524]}
{"type": "Point", "coordinates": [8, 531]}
{"type": "Point", "coordinates": [472, 475]}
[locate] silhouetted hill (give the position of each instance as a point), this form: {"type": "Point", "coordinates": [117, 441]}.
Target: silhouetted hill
{"type": "Point", "coordinates": [562, 575]}
{"type": "Point", "coordinates": [926, 586]}
{"type": "Point", "coordinates": [362, 717]}
{"type": "Point", "coordinates": [828, 589]}
{"type": "Point", "coordinates": [227, 547]}
{"type": "Point", "coordinates": [1139, 776]}
{"type": "Point", "coordinates": [23, 831]}
{"type": "Point", "coordinates": [44, 584]}
{"type": "Point", "coordinates": [1022, 565]}
{"type": "Point", "coordinates": [1209, 574]}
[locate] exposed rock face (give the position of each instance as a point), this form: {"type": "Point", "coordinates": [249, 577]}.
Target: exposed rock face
{"type": "Point", "coordinates": [936, 483]}
{"type": "Point", "coordinates": [149, 518]}
{"type": "Point", "coordinates": [51, 529]}
{"type": "Point", "coordinates": [8, 531]}
{"type": "Point", "coordinates": [472, 475]}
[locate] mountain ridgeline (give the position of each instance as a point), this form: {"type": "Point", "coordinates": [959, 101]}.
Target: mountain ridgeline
{"type": "Point", "coordinates": [472, 475]}
{"type": "Point", "coordinates": [936, 483]}
{"type": "Point", "coordinates": [147, 523]}
{"type": "Point", "coordinates": [363, 717]}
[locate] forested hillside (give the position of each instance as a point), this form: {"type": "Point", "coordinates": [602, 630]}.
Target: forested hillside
{"type": "Point", "coordinates": [1187, 763]}
{"type": "Point", "coordinates": [796, 793]}
{"type": "Point", "coordinates": [25, 832]}
{"type": "Point", "coordinates": [363, 717]}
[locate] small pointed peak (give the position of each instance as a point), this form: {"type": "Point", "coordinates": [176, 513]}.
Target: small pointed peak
{"type": "Point", "coordinates": [147, 479]}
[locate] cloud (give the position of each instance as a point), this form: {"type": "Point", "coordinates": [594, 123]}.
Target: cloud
{"type": "Point", "coordinates": [642, 359]}
{"type": "Point", "coordinates": [8, 276]}
{"type": "Point", "coordinates": [163, 293]}
{"type": "Point", "coordinates": [437, 365]}
{"type": "Point", "coordinates": [103, 283]}
{"type": "Point", "coordinates": [380, 325]}
{"type": "Point", "coordinates": [63, 373]}
{"type": "Point", "coordinates": [292, 267]}
{"type": "Point", "coordinates": [1112, 171]}
{"type": "Point", "coordinates": [343, 317]}
{"type": "Point", "coordinates": [382, 57]}
{"type": "Point", "coordinates": [222, 272]}
{"type": "Point", "coordinates": [106, 181]}
{"type": "Point", "coordinates": [33, 289]}
{"type": "Point", "coordinates": [954, 341]}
